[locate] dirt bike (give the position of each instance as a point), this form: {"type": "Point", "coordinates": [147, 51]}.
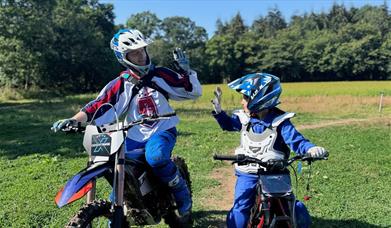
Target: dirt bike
{"type": "Point", "coordinates": [139, 198]}
{"type": "Point", "coordinates": [274, 204]}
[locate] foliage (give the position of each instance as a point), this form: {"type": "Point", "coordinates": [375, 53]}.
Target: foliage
{"type": "Point", "coordinates": [342, 44]}
{"type": "Point", "coordinates": [56, 45]}
{"type": "Point", "coordinates": [147, 22]}
{"type": "Point", "coordinates": [169, 33]}
{"type": "Point", "coordinates": [63, 45]}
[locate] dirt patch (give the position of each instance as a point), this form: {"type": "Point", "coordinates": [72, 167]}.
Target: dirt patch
{"type": "Point", "coordinates": [333, 104]}
{"type": "Point", "coordinates": [224, 199]}
{"type": "Point", "coordinates": [368, 121]}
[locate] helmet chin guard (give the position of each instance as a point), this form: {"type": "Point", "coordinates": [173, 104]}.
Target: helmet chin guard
{"type": "Point", "coordinates": [126, 40]}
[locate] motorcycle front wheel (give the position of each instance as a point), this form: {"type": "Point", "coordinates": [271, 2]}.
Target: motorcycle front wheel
{"type": "Point", "coordinates": [95, 214]}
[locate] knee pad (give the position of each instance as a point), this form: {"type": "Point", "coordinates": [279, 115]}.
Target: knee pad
{"type": "Point", "coordinates": [158, 149]}
{"type": "Point", "coordinates": [155, 157]}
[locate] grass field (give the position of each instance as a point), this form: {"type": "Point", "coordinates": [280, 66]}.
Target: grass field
{"type": "Point", "coordinates": [351, 189]}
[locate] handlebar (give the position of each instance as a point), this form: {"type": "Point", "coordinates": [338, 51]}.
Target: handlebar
{"type": "Point", "coordinates": [149, 118]}
{"type": "Point", "coordinates": [78, 127]}
{"type": "Point", "coordinates": [270, 164]}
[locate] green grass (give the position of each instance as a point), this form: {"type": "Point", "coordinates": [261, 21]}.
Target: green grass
{"type": "Point", "coordinates": [360, 88]}
{"type": "Point", "coordinates": [350, 190]}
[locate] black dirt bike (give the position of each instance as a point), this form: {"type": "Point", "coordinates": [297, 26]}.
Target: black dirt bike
{"type": "Point", "coordinates": [274, 204]}
{"type": "Point", "coordinates": [139, 197]}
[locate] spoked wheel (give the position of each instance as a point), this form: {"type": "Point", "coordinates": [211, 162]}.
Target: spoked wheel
{"type": "Point", "coordinates": [273, 213]}
{"type": "Point", "coordinates": [95, 214]}
{"type": "Point", "coordinates": [171, 219]}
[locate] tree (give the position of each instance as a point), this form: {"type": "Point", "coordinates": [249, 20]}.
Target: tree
{"type": "Point", "coordinates": [60, 44]}
{"type": "Point", "coordinates": [183, 32]}
{"type": "Point", "coordinates": [338, 17]}
{"type": "Point", "coordinates": [161, 52]}
{"type": "Point", "coordinates": [85, 62]}
{"type": "Point", "coordinates": [385, 56]}
{"type": "Point", "coordinates": [147, 22]}
{"type": "Point", "coordinates": [280, 57]}
{"type": "Point", "coordinates": [221, 28]}
{"type": "Point", "coordinates": [269, 25]}
{"type": "Point", "coordinates": [236, 26]}
{"type": "Point", "coordinates": [25, 32]}
{"type": "Point", "coordinates": [223, 64]}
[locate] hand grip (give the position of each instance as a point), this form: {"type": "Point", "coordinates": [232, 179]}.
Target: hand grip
{"type": "Point", "coordinates": [227, 157]}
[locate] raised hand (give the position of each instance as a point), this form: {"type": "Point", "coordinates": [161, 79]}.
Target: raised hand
{"type": "Point", "coordinates": [216, 101]}
{"type": "Point", "coordinates": [181, 61]}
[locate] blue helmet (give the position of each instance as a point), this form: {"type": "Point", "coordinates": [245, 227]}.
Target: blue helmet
{"type": "Point", "coordinates": [262, 90]}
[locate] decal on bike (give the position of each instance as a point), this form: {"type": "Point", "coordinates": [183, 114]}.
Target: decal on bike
{"type": "Point", "coordinates": [147, 106]}
{"type": "Point", "coordinates": [101, 144]}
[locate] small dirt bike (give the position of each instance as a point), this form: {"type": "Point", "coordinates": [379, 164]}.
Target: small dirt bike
{"type": "Point", "coordinates": [274, 204]}
{"type": "Point", "coordinates": [139, 198]}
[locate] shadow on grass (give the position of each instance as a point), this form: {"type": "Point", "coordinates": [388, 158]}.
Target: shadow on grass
{"type": "Point", "coordinates": [350, 223]}
{"type": "Point", "coordinates": [183, 133]}
{"type": "Point", "coordinates": [213, 218]}
{"type": "Point", "coordinates": [25, 128]}
{"type": "Point", "coordinates": [216, 218]}
{"type": "Point", "coordinates": [43, 143]}
{"type": "Point", "coordinates": [5, 106]}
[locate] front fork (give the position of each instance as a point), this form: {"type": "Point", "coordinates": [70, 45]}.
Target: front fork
{"type": "Point", "coordinates": [91, 194]}
{"type": "Point", "coordinates": [118, 188]}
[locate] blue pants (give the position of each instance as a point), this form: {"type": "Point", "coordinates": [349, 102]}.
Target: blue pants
{"type": "Point", "coordinates": [245, 190]}
{"type": "Point", "coordinates": [157, 153]}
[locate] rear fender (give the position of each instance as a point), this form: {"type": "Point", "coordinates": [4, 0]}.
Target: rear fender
{"type": "Point", "coordinates": [80, 184]}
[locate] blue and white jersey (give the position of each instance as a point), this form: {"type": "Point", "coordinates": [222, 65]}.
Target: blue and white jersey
{"type": "Point", "coordinates": [147, 102]}
{"type": "Point", "coordinates": [288, 138]}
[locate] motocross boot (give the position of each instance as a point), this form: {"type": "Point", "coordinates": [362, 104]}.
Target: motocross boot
{"type": "Point", "coordinates": [182, 195]}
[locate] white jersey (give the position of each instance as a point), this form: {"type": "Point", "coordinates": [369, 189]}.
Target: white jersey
{"type": "Point", "coordinates": [149, 100]}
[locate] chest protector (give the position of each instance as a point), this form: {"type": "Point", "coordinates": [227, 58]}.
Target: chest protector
{"type": "Point", "coordinates": [259, 145]}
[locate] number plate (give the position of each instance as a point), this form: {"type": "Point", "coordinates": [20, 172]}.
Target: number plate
{"type": "Point", "coordinates": [276, 183]}
{"type": "Point", "coordinates": [100, 145]}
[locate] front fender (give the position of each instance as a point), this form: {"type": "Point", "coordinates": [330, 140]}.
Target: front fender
{"type": "Point", "coordinates": [80, 184]}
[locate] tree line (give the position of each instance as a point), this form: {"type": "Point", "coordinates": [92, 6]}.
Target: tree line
{"type": "Point", "coordinates": [64, 44]}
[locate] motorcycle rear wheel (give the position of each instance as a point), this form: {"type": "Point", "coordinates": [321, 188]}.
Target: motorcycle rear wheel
{"type": "Point", "coordinates": [95, 214]}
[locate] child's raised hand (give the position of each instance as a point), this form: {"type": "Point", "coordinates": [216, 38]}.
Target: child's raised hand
{"type": "Point", "coordinates": [216, 100]}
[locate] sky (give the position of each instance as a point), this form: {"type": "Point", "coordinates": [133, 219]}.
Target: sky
{"type": "Point", "coordinates": [205, 12]}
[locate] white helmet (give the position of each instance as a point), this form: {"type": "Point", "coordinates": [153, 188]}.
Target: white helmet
{"type": "Point", "coordinates": [126, 40]}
